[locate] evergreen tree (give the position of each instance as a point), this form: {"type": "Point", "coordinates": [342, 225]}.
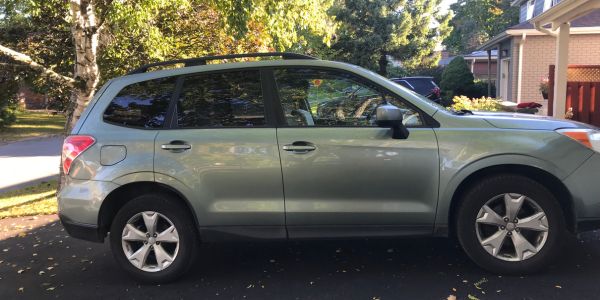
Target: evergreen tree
{"type": "Point", "coordinates": [372, 31]}
{"type": "Point", "coordinates": [457, 79]}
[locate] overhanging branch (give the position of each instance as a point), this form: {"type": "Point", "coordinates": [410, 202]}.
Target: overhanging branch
{"type": "Point", "coordinates": [26, 60]}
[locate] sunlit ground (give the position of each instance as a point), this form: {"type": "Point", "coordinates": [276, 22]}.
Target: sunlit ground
{"type": "Point", "coordinates": [39, 199]}
{"type": "Point", "coordinates": [31, 124]}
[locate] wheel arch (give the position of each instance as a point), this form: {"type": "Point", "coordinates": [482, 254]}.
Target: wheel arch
{"type": "Point", "coordinates": [125, 193]}
{"type": "Point", "coordinates": [550, 181]}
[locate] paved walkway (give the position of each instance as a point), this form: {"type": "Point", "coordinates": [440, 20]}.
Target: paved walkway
{"type": "Point", "coordinates": [27, 162]}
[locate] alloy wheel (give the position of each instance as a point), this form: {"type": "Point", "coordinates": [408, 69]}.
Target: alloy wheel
{"type": "Point", "coordinates": [150, 241]}
{"type": "Point", "coordinates": [512, 227]}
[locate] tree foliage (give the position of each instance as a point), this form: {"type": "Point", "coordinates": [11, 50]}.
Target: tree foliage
{"type": "Point", "coordinates": [372, 31]}
{"type": "Point", "coordinates": [109, 37]}
{"type": "Point", "coordinates": [476, 21]}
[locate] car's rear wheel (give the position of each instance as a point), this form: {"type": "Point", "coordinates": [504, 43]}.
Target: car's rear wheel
{"type": "Point", "coordinates": [510, 224]}
{"type": "Point", "coordinates": [153, 238]}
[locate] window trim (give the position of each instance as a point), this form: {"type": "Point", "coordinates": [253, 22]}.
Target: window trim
{"type": "Point", "coordinates": [428, 121]}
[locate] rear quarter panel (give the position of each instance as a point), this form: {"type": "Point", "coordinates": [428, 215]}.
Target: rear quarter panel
{"type": "Point", "coordinates": [138, 143]}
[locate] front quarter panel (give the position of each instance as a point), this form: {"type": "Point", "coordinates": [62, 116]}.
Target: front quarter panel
{"type": "Point", "coordinates": [466, 151]}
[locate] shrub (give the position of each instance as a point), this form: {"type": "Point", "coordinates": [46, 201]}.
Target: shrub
{"type": "Point", "coordinates": [457, 79]}
{"type": "Point", "coordinates": [7, 116]}
{"type": "Point", "coordinates": [480, 89]}
{"type": "Point", "coordinates": [476, 104]}
{"type": "Point", "coordinates": [8, 103]}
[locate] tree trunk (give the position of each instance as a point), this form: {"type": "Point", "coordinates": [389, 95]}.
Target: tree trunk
{"type": "Point", "coordinates": [383, 62]}
{"type": "Point", "coordinates": [84, 29]}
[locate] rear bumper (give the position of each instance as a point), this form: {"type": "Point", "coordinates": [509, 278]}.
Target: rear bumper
{"type": "Point", "coordinates": [80, 200]}
{"type": "Point", "coordinates": [79, 203]}
{"type": "Point", "coordinates": [88, 232]}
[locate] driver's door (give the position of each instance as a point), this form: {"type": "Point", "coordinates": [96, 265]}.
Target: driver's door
{"type": "Point", "coordinates": [343, 175]}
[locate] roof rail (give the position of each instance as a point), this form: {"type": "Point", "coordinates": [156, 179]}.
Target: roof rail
{"type": "Point", "coordinates": [202, 60]}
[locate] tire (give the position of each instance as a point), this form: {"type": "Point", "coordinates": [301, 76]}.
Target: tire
{"type": "Point", "coordinates": [476, 225]}
{"type": "Point", "coordinates": [180, 255]}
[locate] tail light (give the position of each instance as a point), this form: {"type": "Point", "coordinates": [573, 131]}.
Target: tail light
{"type": "Point", "coordinates": [73, 146]}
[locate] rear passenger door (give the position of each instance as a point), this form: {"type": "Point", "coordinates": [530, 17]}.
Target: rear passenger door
{"type": "Point", "coordinates": [221, 147]}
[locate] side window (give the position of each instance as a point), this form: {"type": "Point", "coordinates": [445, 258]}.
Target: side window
{"type": "Point", "coordinates": [141, 105]}
{"type": "Point", "coordinates": [232, 99]}
{"type": "Point", "coordinates": [312, 97]}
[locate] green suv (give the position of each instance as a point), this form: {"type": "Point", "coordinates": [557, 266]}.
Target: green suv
{"type": "Point", "coordinates": [301, 148]}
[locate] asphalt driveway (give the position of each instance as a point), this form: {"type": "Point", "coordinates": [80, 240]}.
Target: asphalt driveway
{"type": "Point", "coordinates": [27, 162]}
{"type": "Point", "coordinates": [38, 260]}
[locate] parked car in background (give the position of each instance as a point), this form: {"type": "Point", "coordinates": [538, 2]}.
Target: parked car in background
{"type": "Point", "coordinates": [300, 148]}
{"type": "Point", "coordinates": [423, 85]}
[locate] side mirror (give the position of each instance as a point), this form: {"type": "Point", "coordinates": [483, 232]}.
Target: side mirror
{"type": "Point", "coordinates": [390, 116]}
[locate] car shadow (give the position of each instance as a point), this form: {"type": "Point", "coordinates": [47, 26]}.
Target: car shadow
{"type": "Point", "coordinates": [55, 265]}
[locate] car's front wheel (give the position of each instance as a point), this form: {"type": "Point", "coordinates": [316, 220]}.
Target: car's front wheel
{"type": "Point", "coordinates": [510, 224]}
{"type": "Point", "coordinates": [153, 238]}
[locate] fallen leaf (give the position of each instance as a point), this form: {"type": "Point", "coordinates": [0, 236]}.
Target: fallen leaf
{"type": "Point", "coordinates": [558, 286]}
{"type": "Point", "coordinates": [20, 271]}
{"type": "Point", "coordinates": [21, 289]}
{"type": "Point", "coordinates": [451, 297]}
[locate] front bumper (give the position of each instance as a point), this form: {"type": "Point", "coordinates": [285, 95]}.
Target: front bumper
{"type": "Point", "coordinates": [584, 185]}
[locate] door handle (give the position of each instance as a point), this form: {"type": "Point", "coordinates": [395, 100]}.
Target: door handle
{"type": "Point", "coordinates": [299, 147]}
{"type": "Point", "coordinates": [176, 146]}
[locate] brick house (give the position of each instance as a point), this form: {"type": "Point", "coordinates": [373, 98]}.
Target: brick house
{"type": "Point", "coordinates": [525, 54]}
{"type": "Point", "coordinates": [31, 100]}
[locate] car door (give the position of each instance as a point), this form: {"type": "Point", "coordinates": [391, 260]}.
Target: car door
{"type": "Point", "coordinates": [222, 149]}
{"type": "Point", "coordinates": [343, 175]}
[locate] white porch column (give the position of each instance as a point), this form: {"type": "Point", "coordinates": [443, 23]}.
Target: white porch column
{"type": "Point", "coordinates": [560, 75]}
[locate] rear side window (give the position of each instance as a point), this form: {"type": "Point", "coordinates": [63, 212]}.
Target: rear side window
{"type": "Point", "coordinates": [231, 99]}
{"type": "Point", "coordinates": [141, 105]}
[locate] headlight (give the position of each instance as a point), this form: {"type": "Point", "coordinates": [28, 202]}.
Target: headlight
{"type": "Point", "coordinates": [588, 137]}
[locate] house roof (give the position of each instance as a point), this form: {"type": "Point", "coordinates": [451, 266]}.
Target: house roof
{"type": "Point", "coordinates": [470, 56]}
{"type": "Point", "coordinates": [516, 2]}
{"type": "Point", "coordinates": [589, 23]}
{"type": "Point", "coordinates": [590, 20]}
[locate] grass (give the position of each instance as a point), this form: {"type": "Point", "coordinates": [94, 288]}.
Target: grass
{"type": "Point", "coordinates": [39, 199]}
{"type": "Point", "coordinates": [33, 124]}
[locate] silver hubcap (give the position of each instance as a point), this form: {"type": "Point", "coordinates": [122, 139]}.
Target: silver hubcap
{"type": "Point", "coordinates": [512, 227]}
{"type": "Point", "coordinates": [150, 241]}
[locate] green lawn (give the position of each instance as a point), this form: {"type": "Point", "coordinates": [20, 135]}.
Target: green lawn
{"type": "Point", "coordinates": [33, 124]}
{"type": "Point", "coordinates": [39, 199]}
